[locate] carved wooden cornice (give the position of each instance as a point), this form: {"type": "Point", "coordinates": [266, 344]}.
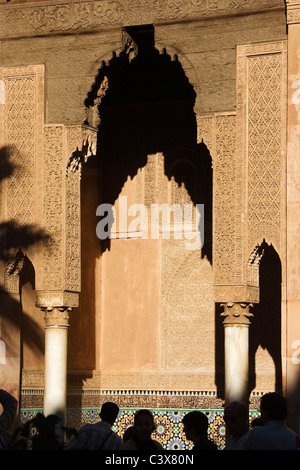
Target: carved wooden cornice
{"type": "Point", "coordinates": [39, 18]}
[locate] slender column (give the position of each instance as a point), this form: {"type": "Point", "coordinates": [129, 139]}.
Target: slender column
{"type": "Point", "coordinates": [236, 331]}
{"type": "Point", "coordinates": [56, 335]}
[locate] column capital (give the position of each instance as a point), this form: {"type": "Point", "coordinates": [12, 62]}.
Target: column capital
{"type": "Point", "coordinates": [56, 317]}
{"type": "Point", "coordinates": [236, 313]}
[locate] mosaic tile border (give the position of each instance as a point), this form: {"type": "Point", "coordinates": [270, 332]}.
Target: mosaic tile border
{"type": "Point", "coordinates": [169, 430]}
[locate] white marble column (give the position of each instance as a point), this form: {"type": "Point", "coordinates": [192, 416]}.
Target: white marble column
{"type": "Point", "coordinates": [56, 335]}
{"type": "Point", "coordinates": [236, 331]}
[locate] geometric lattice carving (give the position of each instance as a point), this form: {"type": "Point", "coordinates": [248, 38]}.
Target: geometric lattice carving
{"type": "Point", "coordinates": [53, 247]}
{"type": "Point", "coordinates": [224, 197]}
{"type": "Point", "coordinates": [21, 138]}
{"type": "Point", "coordinates": [37, 190]}
{"type": "Point", "coordinates": [261, 114]}
{"type": "Point", "coordinates": [247, 150]}
{"type": "Point", "coordinates": [218, 133]}
{"type": "Point", "coordinates": [264, 147]}
{"type": "Point", "coordinates": [21, 118]}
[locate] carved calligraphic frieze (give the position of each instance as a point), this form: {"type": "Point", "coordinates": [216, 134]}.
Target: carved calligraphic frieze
{"type": "Point", "coordinates": [66, 15]}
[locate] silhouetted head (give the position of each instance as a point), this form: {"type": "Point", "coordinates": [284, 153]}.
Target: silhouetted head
{"type": "Point", "coordinates": [195, 424]}
{"type": "Point", "coordinates": [273, 407]}
{"type": "Point", "coordinates": [109, 412]}
{"type": "Point", "coordinates": [144, 424]}
{"type": "Point", "coordinates": [236, 418]}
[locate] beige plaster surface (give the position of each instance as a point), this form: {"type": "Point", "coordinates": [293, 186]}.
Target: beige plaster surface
{"type": "Point", "coordinates": [130, 306]}
{"type": "Point", "coordinates": [293, 226]}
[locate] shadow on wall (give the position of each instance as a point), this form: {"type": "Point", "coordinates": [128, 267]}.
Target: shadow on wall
{"type": "Point", "coordinates": [265, 328]}
{"type": "Point", "coordinates": [145, 104]}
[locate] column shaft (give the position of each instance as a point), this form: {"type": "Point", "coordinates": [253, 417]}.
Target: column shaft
{"type": "Point", "coordinates": [56, 334]}
{"type": "Point", "coordinates": [236, 351]}
{"type": "Point", "coordinates": [236, 362]}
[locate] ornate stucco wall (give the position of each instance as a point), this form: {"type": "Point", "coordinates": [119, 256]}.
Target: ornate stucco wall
{"type": "Point", "coordinates": [234, 54]}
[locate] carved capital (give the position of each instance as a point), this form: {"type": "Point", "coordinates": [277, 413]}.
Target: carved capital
{"type": "Point", "coordinates": [236, 314]}
{"type": "Point", "coordinates": [57, 317]}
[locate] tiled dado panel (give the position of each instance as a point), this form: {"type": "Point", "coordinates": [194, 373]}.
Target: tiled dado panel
{"type": "Point", "coordinates": [169, 429]}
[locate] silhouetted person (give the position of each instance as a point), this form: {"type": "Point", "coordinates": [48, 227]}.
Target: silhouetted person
{"type": "Point", "coordinates": [195, 427]}
{"type": "Point", "coordinates": [143, 426]}
{"type": "Point", "coordinates": [274, 434]}
{"type": "Point", "coordinates": [236, 418]}
{"type": "Point", "coordinates": [9, 405]}
{"type": "Point", "coordinates": [98, 436]}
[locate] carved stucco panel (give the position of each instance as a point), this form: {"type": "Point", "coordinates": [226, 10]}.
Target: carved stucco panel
{"type": "Point", "coordinates": [218, 133]}
{"type": "Point", "coordinates": [21, 137]}
{"type": "Point", "coordinates": [187, 310]}
{"type": "Point", "coordinates": [37, 192]}
{"type": "Point", "coordinates": [264, 147]}
{"type": "Point", "coordinates": [261, 114]}
{"type": "Point", "coordinates": [72, 233]}
{"type": "Point", "coordinates": [66, 150]}
{"type": "Point", "coordinates": [81, 144]}
{"type": "Point", "coordinates": [53, 208]}
{"type": "Point", "coordinates": [224, 213]}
